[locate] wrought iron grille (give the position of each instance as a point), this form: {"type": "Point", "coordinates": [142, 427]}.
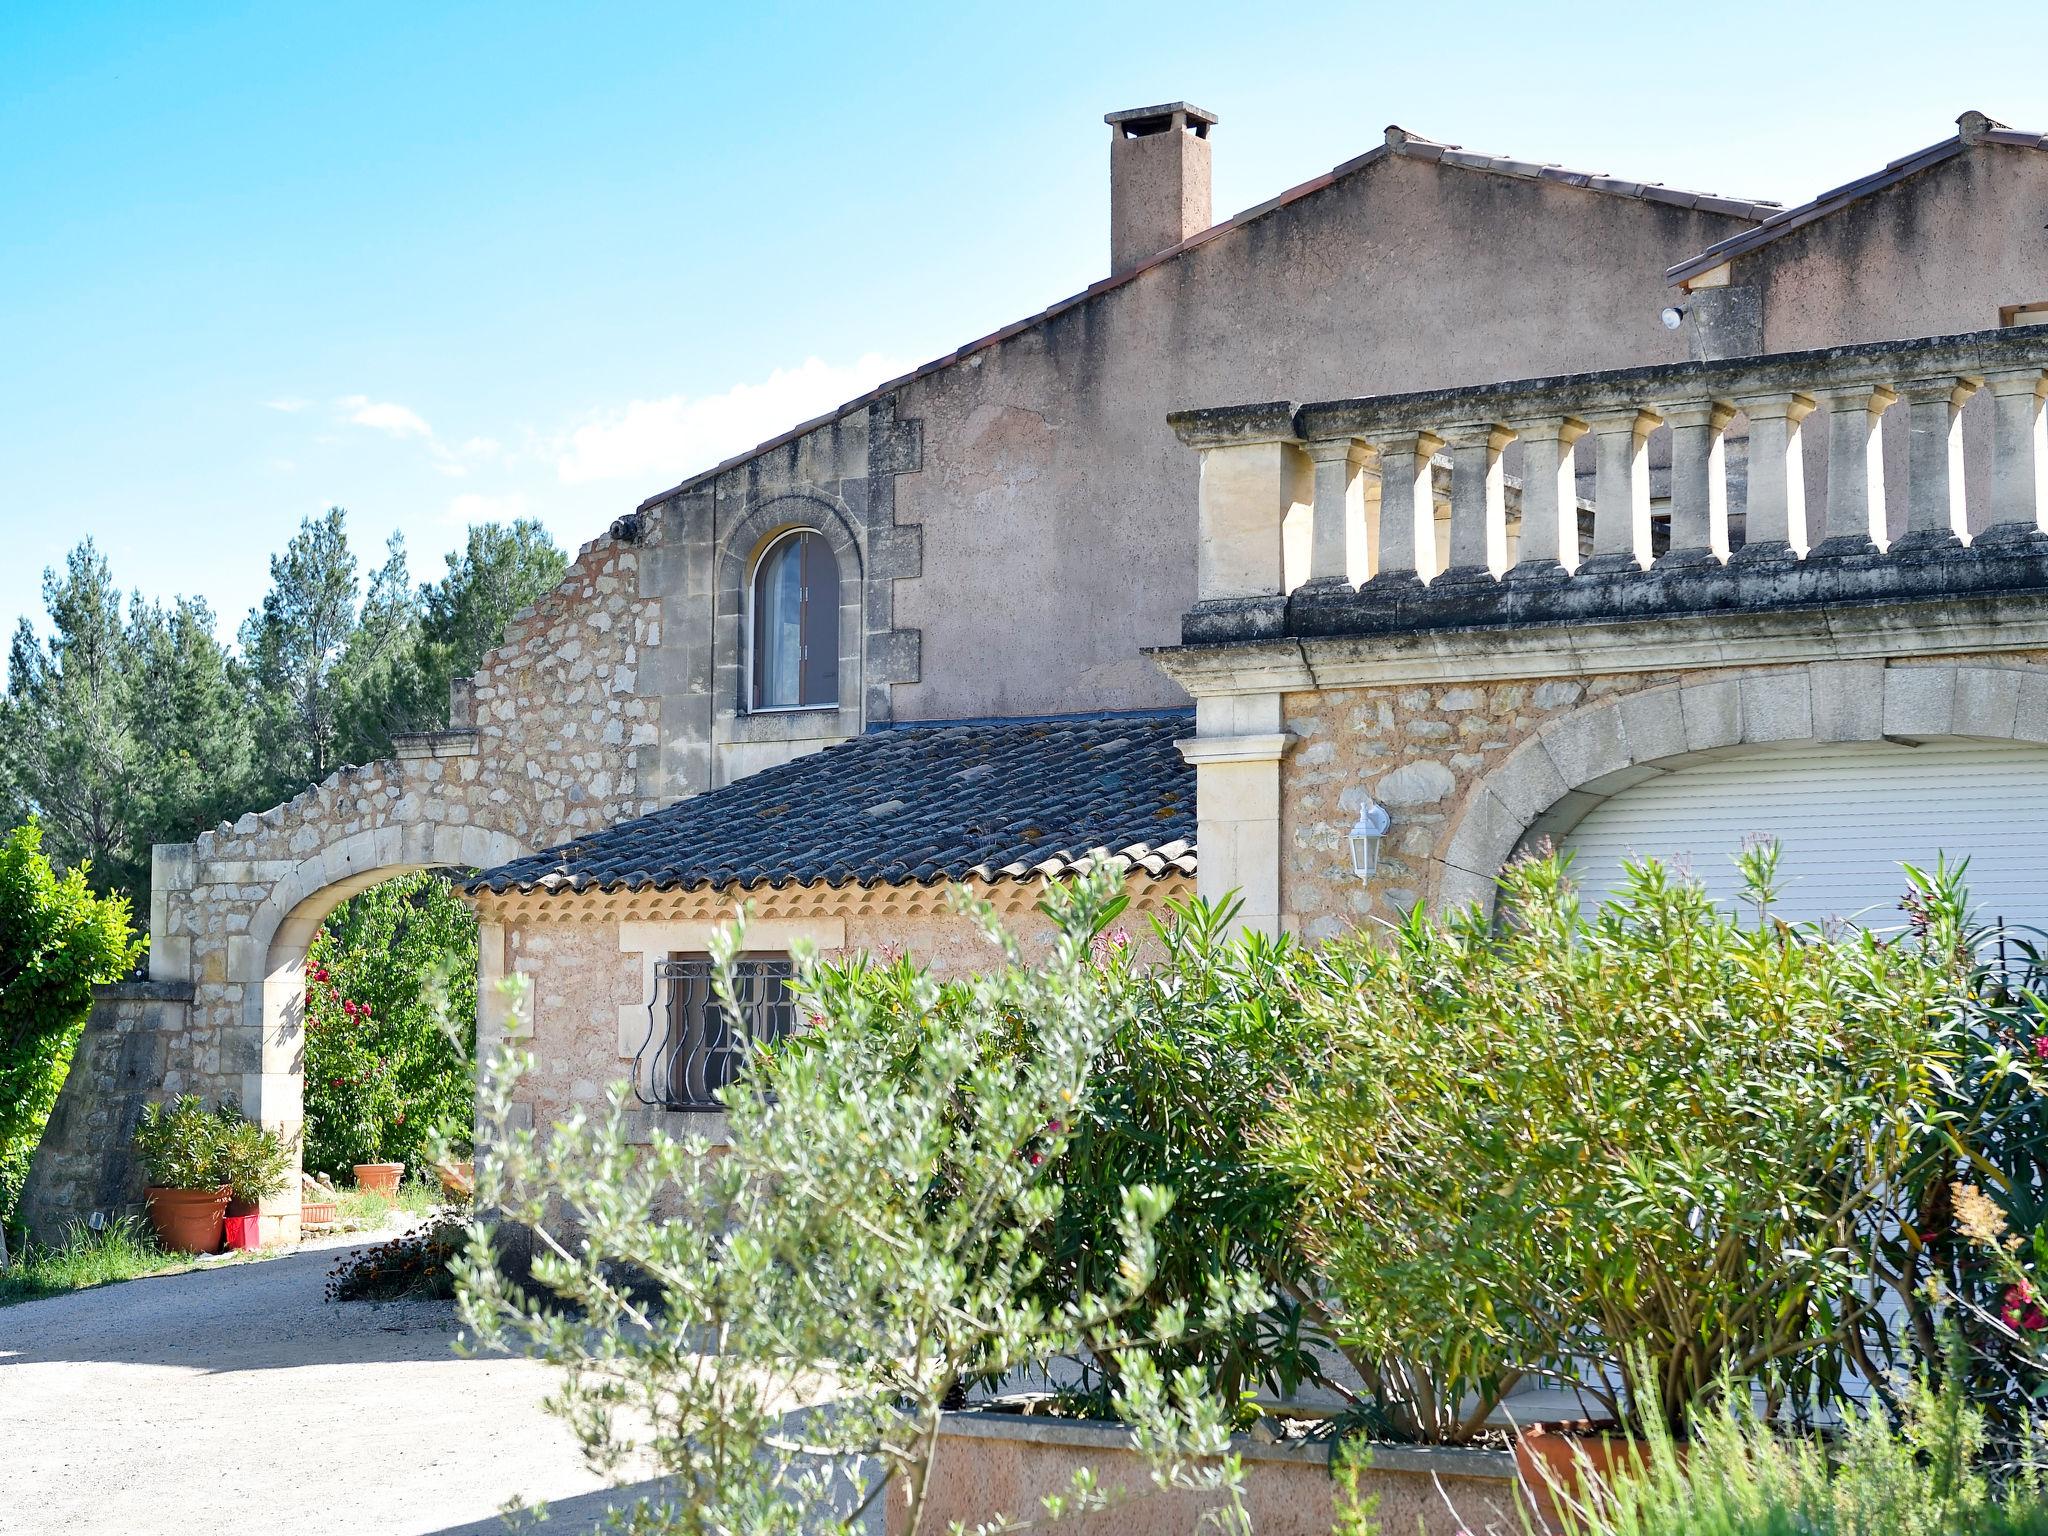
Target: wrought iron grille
{"type": "Point", "coordinates": [695, 1045]}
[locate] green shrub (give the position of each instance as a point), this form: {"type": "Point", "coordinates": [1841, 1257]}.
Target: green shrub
{"type": "Point", "coordinates": [869, 1240]}
{"type": "Point", "coordinates": [1644, 1137]}
{"type": "Point", "coordinates": [58, 940]}
{"type": "Point", "coordinates": [255, 1162]}
{"type": "Point", "coordinates": [184, 1145]}
{"type": "Point", "coordinates": [1196, 1044]}
{"type": "Point", "coordinates": [391, 1027]}
{"type": "Point", "coordinates": [179, 1143]}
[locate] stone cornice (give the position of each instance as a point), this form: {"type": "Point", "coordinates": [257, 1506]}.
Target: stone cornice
{"type": "Point", "coordinates": [1985, 624]}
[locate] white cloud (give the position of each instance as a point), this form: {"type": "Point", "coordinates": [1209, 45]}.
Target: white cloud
{"type": "Point", "coordinates": [678, 435]}
{"type": "Point", "coordinates": [384, 416]}
{"type": "Point", "coordinates": [474, 507]}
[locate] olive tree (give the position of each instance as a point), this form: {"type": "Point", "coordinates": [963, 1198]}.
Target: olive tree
{"type": "Point", "coordinates": [771, 1332]}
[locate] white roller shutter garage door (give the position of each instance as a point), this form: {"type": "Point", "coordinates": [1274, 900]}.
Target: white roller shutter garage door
{"type": "Point", "coordinates": [1846, 816]}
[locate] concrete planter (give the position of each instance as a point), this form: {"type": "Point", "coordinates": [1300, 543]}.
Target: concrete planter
{"type": "Point", "coordinates": [1001, 1463]}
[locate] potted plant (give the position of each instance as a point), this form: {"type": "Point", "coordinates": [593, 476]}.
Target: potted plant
{"type": "Point", "coordinates": [256, 1163]}
{"type": "Point", "coordinates": [179, 1147]}
{"type": "Point", "coordinates": [380, 1177]}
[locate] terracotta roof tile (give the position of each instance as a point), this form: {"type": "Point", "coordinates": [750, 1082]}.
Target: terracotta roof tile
{"type": "Point", "coordinates": [1836, 198]}
{"type": "Point", "coordinates": [987, 799]}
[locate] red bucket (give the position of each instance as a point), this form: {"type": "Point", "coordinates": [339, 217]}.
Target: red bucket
{"type": "Point", "coordinates": [244, 1232]}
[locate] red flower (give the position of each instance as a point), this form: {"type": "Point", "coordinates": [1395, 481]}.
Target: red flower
{"type": "Point", "coordinates": [2041, 1048]}
{"type": "Point", "coordinates": [2022, 1309]}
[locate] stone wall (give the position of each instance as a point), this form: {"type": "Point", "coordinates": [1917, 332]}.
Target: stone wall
{"type": "Point", "coordinates": [135, 1036]}
{"type": "Point", "coordinates": [1472, 772]}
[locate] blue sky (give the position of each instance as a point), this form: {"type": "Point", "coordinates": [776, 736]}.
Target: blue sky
{"type": "Point", "coordinates": [441, 262]}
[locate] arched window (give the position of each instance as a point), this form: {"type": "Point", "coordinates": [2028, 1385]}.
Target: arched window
{"type": "Point", "coordinates": [796, 624]}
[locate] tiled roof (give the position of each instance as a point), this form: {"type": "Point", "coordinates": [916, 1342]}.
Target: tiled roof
{"type": "Point", "coordinates": [989, 799]}
{"type": "Point", "coordinates": [1398, 142]}
{"type": "Point", "coordinates": [1789, 219]}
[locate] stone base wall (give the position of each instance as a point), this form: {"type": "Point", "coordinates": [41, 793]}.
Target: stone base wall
{"type": "Point", "coordinates": [136, 1033]}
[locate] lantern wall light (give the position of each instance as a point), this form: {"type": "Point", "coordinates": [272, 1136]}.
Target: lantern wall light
{"type": "Point", "coordinates": [1366, 833]}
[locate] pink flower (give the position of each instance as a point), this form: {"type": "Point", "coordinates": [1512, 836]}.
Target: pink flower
{"type": "Point", "coordinates": [2041, 1048]}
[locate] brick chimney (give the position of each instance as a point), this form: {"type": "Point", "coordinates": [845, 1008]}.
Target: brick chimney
{"type": "Point", "coordinates": [1158, 180]}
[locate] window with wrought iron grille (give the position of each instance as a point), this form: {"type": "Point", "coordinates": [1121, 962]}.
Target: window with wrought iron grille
{"type": "Point", "coordinates": [695, 1045]}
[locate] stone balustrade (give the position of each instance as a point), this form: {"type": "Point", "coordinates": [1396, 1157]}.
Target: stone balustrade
{"type": "Point", "coordinates": [1327, 514]}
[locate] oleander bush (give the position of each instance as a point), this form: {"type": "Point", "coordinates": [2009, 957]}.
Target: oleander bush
{"type": "Point", "coordinates": [1580, 1143]}
{"type": "Point", "coordinates": [391, 1028]}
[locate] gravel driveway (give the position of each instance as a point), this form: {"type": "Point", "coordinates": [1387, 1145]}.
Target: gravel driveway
{"type": "Point", "coordinates": [236, 1400]}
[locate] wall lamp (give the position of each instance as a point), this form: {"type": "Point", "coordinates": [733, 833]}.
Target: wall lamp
{"type": "Point", "coordinates": [1366, 833]}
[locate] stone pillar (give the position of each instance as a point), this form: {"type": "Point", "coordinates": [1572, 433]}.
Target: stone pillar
{"type": "Point", "coordinates": [1339, 547]}
{"type": "Point", "coordinates": [1236, 754]}
{"type": "Point", "coordinates": [1407, 522]}
{"type": "Point", "coordinates": [1621, 489]}
{"type": "Point", "coordinates": [1775, 522]}
{"type": "Point", "coordinates": [1248, 492]}
{"type": "Point", "coordinates": [1935, 509]}
{"type": "Point", "coordinates": [1855, 511]}
{"type": "Point", "coordinates": [1699, 481]}
{"type": "Point", "coordinates": [173, 874]}
{"type": "Point", "coordinates": [1479, 511]}
{"type": "Point", "coordinates": [1550, 492]}
{"type": "Point", "coordinates": [2019, 450]}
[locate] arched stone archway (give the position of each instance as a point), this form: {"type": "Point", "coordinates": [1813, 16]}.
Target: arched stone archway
{"type": "Point", "coordinates": [1550, 781]}
{"type": "Point", "coordinates": [232, 915]}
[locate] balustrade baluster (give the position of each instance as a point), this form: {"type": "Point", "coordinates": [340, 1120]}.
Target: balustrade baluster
{"type": "Point", "coordinates": [1479, 511]}
{"type": "Point", "coordinates": [1935, 509]}
{"type": "Point", "coordinates": [1699, 481]}
{"type": "Point", "coordinates": [1855, 509]}
{"type": "Point", "coordinates": [1621, 489]}
{"type": "Point", "coordinates": [2019, 451]}
{"type": "Point", "coordinates": [1550, 495]}
{"type": "Point", "coordinates": [1339, 543]}
{"type": "Point", "coordinates": [1774, 519]}
{"type": "Point", "coordinates": [1407, 522]}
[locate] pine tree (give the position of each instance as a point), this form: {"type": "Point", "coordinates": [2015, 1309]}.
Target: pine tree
{"type": "Point", "coordinates": [64, 725]}
{"type": "Point", "coordinates": [292, 647]}
{"type": "Point", "coordinates": [195, 748]}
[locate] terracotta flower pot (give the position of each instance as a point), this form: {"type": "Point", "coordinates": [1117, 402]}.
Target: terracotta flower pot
{"type": "Point", "coordinates": [381, 1177]}
{"type": "Point", "coordinates": [188, 1220]}
{"type": "Point", "coordinates": [1554, 1460]}
{"type": "Point", "coordinates": [319, 1213]}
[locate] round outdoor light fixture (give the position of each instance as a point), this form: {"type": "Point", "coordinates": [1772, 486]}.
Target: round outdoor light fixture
{"type": "Point", "coordinates": [1673, 317]}
{"type": "Point", "coordinates": [1366, 833]}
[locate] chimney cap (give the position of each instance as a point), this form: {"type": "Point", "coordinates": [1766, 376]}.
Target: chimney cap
{"type": "Point", "coordinates": [1141, 121]}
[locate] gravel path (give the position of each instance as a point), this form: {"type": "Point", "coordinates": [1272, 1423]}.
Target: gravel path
{"type": "Point", "coordinates": [235, 1400]}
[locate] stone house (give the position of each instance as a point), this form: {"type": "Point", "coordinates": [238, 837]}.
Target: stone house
{"type": "Point", "coordinates": [1033, 555]}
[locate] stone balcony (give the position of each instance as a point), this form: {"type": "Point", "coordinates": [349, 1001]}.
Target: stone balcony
{"type": "Point", "coordinates": [1339, 519]}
